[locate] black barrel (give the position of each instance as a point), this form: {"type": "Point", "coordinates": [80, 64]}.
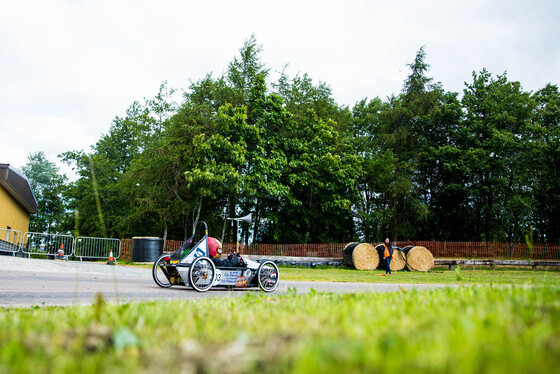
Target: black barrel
{"type": "Point", "coordinates": [146, 249]}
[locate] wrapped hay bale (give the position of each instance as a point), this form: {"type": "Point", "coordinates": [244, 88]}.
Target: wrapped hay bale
{"type": "Point", "coordinates": [347, 254]}
{"type": "Point", "coordinates": [349, 244]}
{"type": "Point", "coordinates": [361, 256]}
{"type": "Point", "coordinates": [399, 258]}
{"type": "Point", "coordinates": [419, 259]}
{"type": "Point", "coordinates": [347, 259]}
{"type": "Point", "coordinates": [380, 249]}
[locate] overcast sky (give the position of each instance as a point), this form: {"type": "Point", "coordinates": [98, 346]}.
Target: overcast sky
{"type": "Point", "coordinates": [68, 67]}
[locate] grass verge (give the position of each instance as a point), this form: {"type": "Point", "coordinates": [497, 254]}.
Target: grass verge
{"type": "Point", "coordinates": [468, 330]}
{"type": "Point", "coordinates": [436, 275]}
{"type": "Point", "coordinates": [461, 275]}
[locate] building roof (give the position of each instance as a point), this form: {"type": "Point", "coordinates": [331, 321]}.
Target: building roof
{"type": "Point", "coordinates": [18, 186]}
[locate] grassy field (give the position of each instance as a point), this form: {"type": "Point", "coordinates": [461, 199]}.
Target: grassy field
{"type": "Point", "coordinates": [466, 275]}
{"type": "Point", "coordinates": [466, 330]}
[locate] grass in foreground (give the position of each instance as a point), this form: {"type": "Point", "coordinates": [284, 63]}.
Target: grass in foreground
{"type": "Point", "coordinates": [467, 330]}
{"type": "Point", "coordinates": [437, 275]}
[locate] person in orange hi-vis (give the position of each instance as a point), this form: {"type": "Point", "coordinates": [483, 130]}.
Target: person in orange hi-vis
{"type": "Point", "coordinates": [388, 256]}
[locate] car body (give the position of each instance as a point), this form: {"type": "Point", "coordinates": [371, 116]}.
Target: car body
{"type": "Point", "coordinates": [192, 266]}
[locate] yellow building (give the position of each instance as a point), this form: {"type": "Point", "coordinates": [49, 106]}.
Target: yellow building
{"type": "Point", "coordinates": [17, 201]}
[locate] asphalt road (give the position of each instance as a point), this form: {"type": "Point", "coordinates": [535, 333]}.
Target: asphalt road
{"type": "Point", "coordinates": [30, 282]}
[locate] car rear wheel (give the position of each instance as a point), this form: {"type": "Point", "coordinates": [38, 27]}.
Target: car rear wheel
{"type": "Point", "coordinates": [159, 272]}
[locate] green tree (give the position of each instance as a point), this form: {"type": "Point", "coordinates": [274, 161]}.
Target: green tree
{"type": "Point", "coordinates": [372, 168]}
{"type": "Point", "coordinates": [243, 70]}
{"type": "Point", "coordinates": [48, 186]}
{"type": "Point", "coordinates": [215, 173]}
{"type": "Point", "coordinates": [299, 174]}
{"type": "Point", "coordinates": [420, 164]}
{"type": "Point", "coordinates": [301, 95]}
{"type": "Point", "coordinates": [545, 163]}
{"type": "Point", "coordinates": [393, 134]}
{"type": "Point", "coordinates": [321, 173]}
{"type": "Point", "coordinates": [264, 189]}
{"type": "Point", "coordinates": [440, 174]}
{"type": "Point", "coordinates": [102, 199]}
{"type": "Point", "coordinates": [495, 155]}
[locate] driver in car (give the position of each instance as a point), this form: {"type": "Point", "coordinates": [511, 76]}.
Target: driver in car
{"type": "Point", "coordinates": [215, 251]}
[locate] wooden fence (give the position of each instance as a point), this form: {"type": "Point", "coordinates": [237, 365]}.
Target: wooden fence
{"type": "Point", "coordinates": [491, 250]}
{"type": "Point", "coordinates": [478, 250]}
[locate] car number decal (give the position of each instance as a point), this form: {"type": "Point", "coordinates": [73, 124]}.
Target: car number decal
{"type": "Point", "coordinates": [218, 277]}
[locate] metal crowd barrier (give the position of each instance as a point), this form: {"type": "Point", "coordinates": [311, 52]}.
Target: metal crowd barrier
{"type": "Point", "coordinates": [10, 241]}
{"type": "Point", "coordinates": [87, 247]}
{"type": "Point", "coordinates": [46, 244]}
{"type": "Point", "coordinates": [36, 243]}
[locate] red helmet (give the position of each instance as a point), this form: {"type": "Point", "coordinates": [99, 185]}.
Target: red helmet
{"type": "Point", "coordinates": [214, 247]}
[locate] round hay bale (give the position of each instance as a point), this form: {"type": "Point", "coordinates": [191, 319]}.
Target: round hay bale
{"type": "Point", "coordinates": [419, 259]}
{"type": "Point", "coordinates": [361, 256]}
{"type": "Point", "coordinates": [364, 257]}
{"type": "Point", "coordinates": [399, 259]}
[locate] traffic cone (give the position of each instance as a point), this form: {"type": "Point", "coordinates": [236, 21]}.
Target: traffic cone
{"type": "Point", "coordinates": [111, 259]}
{"type": "Point", "coordinates": [60, 253]}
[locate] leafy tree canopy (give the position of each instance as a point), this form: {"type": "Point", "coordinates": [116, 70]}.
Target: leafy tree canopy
{"type": "Point", "coordinates": [423, 164]}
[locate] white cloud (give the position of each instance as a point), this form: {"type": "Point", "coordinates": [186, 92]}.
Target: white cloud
{"type": "Point", "coordinates": [53, 135]}
{"type": "Point", "coordinates": [72, 66]}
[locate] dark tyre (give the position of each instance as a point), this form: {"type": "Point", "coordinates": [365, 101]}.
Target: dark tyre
{"type": "Point", "coordinates": [159, 272]}
{"type": "Point", "coordinates": [202, 274]}
{"type": "Point", "coordinates": [268, 276]}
